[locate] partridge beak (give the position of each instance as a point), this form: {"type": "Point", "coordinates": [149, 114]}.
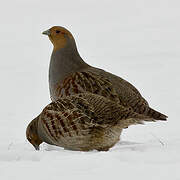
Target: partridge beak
{"type": "Point", "coordinates": [36, 147]}
{"type": "Point", "coordinates": [47, 32]}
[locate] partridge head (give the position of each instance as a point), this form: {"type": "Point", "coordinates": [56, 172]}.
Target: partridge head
{"type": "Point", "coordinates": [32, 134]}
{"type": "Point", "coordinates": [59, 36]}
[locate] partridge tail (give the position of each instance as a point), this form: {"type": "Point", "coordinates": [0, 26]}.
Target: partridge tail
{"type": "Point", "coordinates": [156, 115]}
{"type": "Point", "coordinates": [136, 118]}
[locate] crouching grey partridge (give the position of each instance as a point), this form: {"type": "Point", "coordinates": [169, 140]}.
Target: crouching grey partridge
{"type": "Point", "coordinates": [82, 122]}
{"type": "Point", "coordinates": [69, 74]}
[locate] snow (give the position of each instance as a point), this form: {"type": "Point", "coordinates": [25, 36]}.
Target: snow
{"type": "Point", "coordinates": [138, 40]}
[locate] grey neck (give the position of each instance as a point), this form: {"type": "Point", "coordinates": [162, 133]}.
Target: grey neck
{"type": "Point", "coordinates": [64, 62]}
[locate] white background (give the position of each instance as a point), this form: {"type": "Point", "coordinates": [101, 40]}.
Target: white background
{"type": "Point", "coordinates": [138, 40]}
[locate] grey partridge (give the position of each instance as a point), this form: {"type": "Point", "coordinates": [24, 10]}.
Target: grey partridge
{"type": "Point", "coordinates": [70, 74]}
{"type": "Point", "coordinates": [82, 122]}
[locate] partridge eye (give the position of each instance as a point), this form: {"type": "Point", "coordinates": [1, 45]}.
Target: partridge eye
{"type": "Point", "coordinates": [57, 31]}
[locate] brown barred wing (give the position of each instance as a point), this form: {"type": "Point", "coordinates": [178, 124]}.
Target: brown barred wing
{"type": "Point", "coordinates": [107, 113]}
{"type": "Point", "coordinates": [80, 82]}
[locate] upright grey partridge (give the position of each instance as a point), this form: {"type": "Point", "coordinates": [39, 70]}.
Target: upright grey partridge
{"type": "Point", "coordinates": [82, 122]}
{"type": "Point", "coordinates": [69, 74]}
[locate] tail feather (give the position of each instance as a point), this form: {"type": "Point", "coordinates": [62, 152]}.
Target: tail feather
{"type": "Point", "coordinates": [156, 115]}
{"type": "Point", "coordinates": [152, 116]}
{"type": "Point", "coordinates": [133, 121]}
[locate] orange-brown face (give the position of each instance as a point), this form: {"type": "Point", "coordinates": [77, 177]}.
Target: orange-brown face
{"type": "Point", "coordinates": [58, 36]}
{"type": "Point", "coordinates": [31, 134]}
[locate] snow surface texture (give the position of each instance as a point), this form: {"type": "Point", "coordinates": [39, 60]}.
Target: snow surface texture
{"type": "Point", "coordinates": [138, 40]}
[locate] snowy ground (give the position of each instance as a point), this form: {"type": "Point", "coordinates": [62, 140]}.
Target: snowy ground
{"type": "Point", "coordinates": [138, 40]}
